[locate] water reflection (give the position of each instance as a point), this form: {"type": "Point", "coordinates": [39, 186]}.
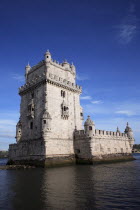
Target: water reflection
{"type": "Point", "coordinates": [108, 186]}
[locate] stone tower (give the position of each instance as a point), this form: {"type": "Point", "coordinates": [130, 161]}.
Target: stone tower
{"type": "Point", "coordinates": [49, 130]}
{"type": "Point", "coordinates": [50, 108]}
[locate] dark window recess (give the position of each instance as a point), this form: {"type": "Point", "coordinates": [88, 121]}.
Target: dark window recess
{"type": "Point", "coordinates": [31, 125]}
{"type": "Point", "coordinates": [77, 151]}
{"type": "Point", "coordinates": [47, 56]}
{"type": "Point", "coordinates": [29, 107]}
{"type": "Point", "coordinates": [32, 109]}
{"type": "Point", "coordinates": [90, 128]}
{"type": "Point", "coordinates": [63, 93]}
{"type": "Point", "coordinates": [44, 121]}
{"type": "Point", "coordinates": [81, 114]}
{"type": "Point", "coordinates": [32, 95]}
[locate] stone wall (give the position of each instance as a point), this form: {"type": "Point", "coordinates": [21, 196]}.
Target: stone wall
{"type": "Point", "coordinates": [101, 144]}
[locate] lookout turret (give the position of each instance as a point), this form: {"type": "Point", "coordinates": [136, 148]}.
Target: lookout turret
{"type": "Point", "coordinates": [118, 131]}
{"type": "Point", "coordinates": [47, 56]}
{"type": "Point", "coordinates": [46, 123]}
{"type": "Point", "coordinates": [27, 69]}
{"type": "Point", "coordinates": [18, 131]}
{"type": "Point", "coordinates": [73, 68]}
{"type": "Point", "coordinates": [129, 131]}
{"type": "Point", "coordinates": [89, 127]}
{"type": "Point", "coordinates": [66, 65]}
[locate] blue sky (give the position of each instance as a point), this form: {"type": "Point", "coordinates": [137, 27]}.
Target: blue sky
{"type": "Point", "coordinates": [101, 37]}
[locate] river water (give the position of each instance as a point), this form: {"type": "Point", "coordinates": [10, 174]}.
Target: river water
{"type": "Point", "coordinates": [105, 186]}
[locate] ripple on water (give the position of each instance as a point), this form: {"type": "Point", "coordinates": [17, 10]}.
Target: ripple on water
{"type": "Point", "coordinates": [107, 186]}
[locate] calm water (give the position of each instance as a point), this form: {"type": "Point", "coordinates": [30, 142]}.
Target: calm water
{"type": "Point", "coordinates": [108, 186]}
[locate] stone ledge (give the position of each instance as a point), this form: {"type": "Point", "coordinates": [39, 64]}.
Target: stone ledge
{"type": "Point", "coordinates": [65, 160]}
{"type": "Point", "coordinates": [105, 159]}
{"type": "Point", "coordinates": [46, 162]}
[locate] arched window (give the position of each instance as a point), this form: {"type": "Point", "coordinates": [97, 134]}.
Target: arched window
{"type": "Point", "coordinates": [90, 128]}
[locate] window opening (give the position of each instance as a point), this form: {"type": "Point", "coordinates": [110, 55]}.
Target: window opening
{"type": "Point", "coordinates": [31, 125]}
{"type": "Point", "coordinates": [90, 128]}
{"type": "Point", "coordinates": [32, 95]}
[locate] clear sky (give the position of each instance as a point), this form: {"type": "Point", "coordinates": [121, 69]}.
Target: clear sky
{"type": "Point", "coordinates": [101, 37]}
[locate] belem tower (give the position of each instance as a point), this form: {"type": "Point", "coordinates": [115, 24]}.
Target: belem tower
{"type": "Point", "coordinates": [50, 129]}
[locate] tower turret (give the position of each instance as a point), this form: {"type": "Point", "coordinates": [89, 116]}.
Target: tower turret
{"type": "Point", "coordinates": [47, 56]}
{"type": "Point", "coordinates": [18, 131]}
{"type": "Point", "coordinates": [46, 119]}
{"type": "Point", "coordinates": [66, 65]}
{"type": "Point", "coordinates": [73, 68]}
{"type": "Point", "coordinates": [27, 69]}
{"type": "Point", "coordinates": [118, 131]}
{"type": "Point", "coordinates": [129, 131]}
{"type": "Point", "coordinates": [89, 127]}
{"type": "Point", "coordinates": [46, 122]}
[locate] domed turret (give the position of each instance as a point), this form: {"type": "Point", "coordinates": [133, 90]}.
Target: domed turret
{"type": "Point", "coordinates": [18, 131]}
{"type": "Point", "coordinates": [47, 56]}
{"type": "Point", "coordinates": [118, 131]}
{"type": "Point", "coordinates": [46, 123]}
{"type": "Point", "coordinates": [27, 69]}
{"type": "Point", "coordinates": [128, 131]}
{"type": "Point", "coordinates": [89, 127]}
{"type": "Point", "coordinates": [66, 65]}
{"type": "Point", "coordinates": [73, 68]}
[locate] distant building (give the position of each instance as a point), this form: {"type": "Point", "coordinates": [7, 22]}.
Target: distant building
{"type": "Point", "coordinates": [50, 128]}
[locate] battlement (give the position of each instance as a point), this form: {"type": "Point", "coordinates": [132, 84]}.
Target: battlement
{"type": "Point", "coordinates": [37, 66]}
{"type": "Point", "coordinates": [101, 133]}
{"type": "Point", "coordinates": [79, 133]}
{"type": "Point", "coordinates": [109, 133]}
{"type": "Point", "coordinates": [63, 66]}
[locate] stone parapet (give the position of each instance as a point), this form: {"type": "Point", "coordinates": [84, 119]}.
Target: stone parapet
{"type": "Point", "coordinates": [102, 133]}
{"type": "Point", "coordinates": [53, 63]}
{"type": "Point", "coordinates": [54, 79]}
{"type": "Point", "coordinates": [37, 66]}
